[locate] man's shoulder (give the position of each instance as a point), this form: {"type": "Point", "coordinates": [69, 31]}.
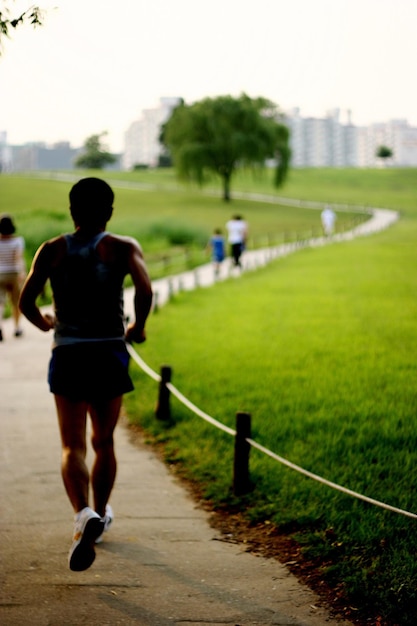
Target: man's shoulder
{"type": "Point", "coordinates": [55, 243]}
{"type": "Point", "coordinates": [50, 253]}
{"type": "Point", "coordinates": [121, 240]}
{"type": "Point", "coordinates": [121, 246]}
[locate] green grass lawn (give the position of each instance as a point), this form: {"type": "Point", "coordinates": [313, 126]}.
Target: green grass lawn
{"type": "Point", "coordinates": [319, 347]}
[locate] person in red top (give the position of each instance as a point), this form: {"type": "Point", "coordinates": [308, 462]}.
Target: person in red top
{"type": "Point", "coordinates": [88, 370]}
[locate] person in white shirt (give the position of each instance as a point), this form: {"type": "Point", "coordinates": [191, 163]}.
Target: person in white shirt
{"type": "Point", "coordinates": [12, 270]}
{"type": "Point", "coordinates": [237, 230]}
{"type": "Point", "coordinates": [328, 220]}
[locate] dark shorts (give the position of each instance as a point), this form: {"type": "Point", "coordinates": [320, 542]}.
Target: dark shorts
{"type": "Point", "coordinates": [90, 371]}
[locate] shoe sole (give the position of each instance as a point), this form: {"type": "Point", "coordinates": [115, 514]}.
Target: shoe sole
{"type": "Point", "coordinates": [83, 554]}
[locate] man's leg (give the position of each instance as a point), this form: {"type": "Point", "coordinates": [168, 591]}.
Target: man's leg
{"type": "Point", "coordinates": [239, 249]}
{"type": "Point", "coordinates": [72, 423]}
{"type": "Point", "coordinates": [88, 525]}
{"type": "Point", "coordinates": [104, 416]}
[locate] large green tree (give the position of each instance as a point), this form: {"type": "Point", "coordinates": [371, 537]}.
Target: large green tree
{"type": "Point", "coordinates": [95, 156]}
{"type": "Point", "coordinates": [218, 135]}
{"type": "Point", "coordinates": [9, 19]}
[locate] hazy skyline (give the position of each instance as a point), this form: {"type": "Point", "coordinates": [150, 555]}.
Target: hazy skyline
{"type": "Point", "coordinates": [94, 66]}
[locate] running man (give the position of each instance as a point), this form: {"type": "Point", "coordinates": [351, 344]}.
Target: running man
{"type": "Point", "coordinates": [88, 370]}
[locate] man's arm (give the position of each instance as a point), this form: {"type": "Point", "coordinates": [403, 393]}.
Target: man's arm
{"type": "Point", "coordinates": [32, 288]}
{"type": "Point", "coordinates": [143, 293]}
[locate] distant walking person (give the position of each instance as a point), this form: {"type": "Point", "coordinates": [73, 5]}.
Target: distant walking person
{"type": "Point", "coordinates": [12, 270]}
{"type": "Point", "coordinates": [88, 370]}
{"type": "Point", "coordinates": [328, 220]}
{"type": "Point", "coordinates": [238, 232]}
{"type": "Point", "coordinates": [217, 246]}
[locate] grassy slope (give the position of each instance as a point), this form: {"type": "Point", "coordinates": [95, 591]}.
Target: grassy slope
{"type": "Point", "coordinates": [320, 348]}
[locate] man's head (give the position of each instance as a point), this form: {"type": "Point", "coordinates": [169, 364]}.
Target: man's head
{"type": "Point", "coordinates": [91, 203]}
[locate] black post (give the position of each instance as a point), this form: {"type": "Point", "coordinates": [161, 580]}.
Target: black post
{"type": "Point", "coordinates": [163, 408]}
{"type": "Point", "coordinates": [241, 480]}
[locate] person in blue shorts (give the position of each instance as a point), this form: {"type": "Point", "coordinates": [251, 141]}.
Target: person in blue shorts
{"type": "Point", "coordinates": [217, 245]}
{"type": "Point", "coordinates": [88, 370]}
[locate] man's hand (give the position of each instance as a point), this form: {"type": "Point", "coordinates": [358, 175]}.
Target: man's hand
{"type": "Point", "coordinates": [134, 334]}
{"type": "Point", "coordinates": [49, 320]}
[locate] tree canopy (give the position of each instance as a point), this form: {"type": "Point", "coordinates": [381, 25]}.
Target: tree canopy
{"type": "Point", "coordinates": [218, 135]}
{"type": "Point", "coordinates": [95, 155]}
{"type": "Point", "coordinates": [32, 15]}
{"type": "Point", "coordinates": [383, 152]}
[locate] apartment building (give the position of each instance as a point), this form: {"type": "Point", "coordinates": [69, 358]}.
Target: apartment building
{"type": "Point", "coordinates": [142, 146]}
{"type": "Point", "coordinates": [5, 153]}
{"type": "Point", "coordinates": [322, 142]}
{"type": "Point", "coordinates": [330, 142]}
{"type": "Point", "coordinates": [36, 156]}
{"type": "Point", "coordinates": [397, 135]}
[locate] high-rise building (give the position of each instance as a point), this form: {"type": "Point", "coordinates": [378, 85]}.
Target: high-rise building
{"type": "Point", "coordinates": [142, 146]}
{"type": "Point", "coordinates": [397, 135]}
{"type": "Point", "coordinates": [5, 153]}
{"type": "Point", "coordinates": [327, 142]}
{"type": "Point", "coordinates": [321, 142]}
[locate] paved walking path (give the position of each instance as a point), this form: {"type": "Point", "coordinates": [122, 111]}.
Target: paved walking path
{"type": "Point", "coordinates": [161, 564]}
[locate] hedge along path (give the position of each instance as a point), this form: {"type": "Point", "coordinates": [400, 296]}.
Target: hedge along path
{"type": "Point", "coordinates": [204, 276]}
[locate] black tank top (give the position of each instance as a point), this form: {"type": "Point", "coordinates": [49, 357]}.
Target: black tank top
{"type": "Point", "coordinates": [88, 294]}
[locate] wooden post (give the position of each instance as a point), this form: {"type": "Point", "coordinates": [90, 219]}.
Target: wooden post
{"type": "Point", "coordinates": [163, 408]}
{"type": "Point", "coordinates": [241, 480]}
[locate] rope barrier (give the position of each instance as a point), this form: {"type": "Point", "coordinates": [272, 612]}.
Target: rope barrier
{"type": "Point", "coordinates": [324, 481]}
{"type": "Point", "coordinates": [254, 444]}
{"type": "Point", "coordinates": [178, 394]}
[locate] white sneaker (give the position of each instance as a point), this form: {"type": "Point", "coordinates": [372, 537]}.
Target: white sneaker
{"type": "Point", "coordinates": [88, 526]}
{"type": "Point", "coordinates": [108, 520]}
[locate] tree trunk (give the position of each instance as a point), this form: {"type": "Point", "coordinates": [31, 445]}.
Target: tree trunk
{"type": "Point", "coordinates": [226, 187]}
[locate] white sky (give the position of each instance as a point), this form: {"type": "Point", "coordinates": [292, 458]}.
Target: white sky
{"type": "Point", "coordinates": [95, 64]}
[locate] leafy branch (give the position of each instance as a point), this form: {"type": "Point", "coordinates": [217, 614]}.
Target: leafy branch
{"type": "Point", "coordinates": [32, 16]}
